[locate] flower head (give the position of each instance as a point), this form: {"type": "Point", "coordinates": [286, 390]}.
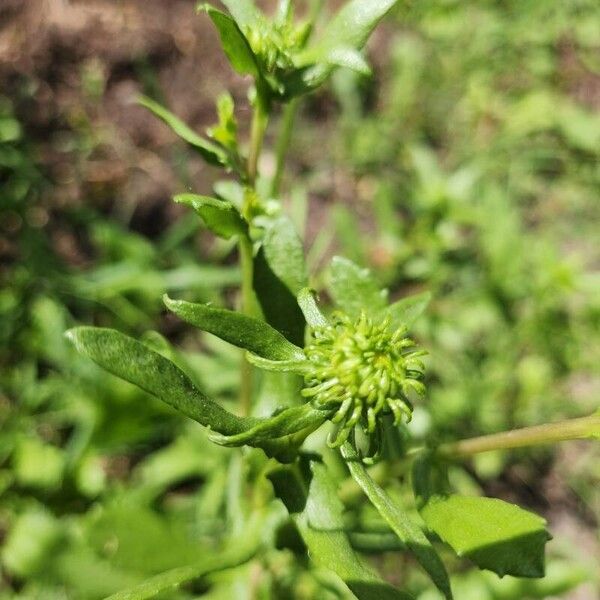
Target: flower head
{"type": "Point", "coordinates": [364, 370]}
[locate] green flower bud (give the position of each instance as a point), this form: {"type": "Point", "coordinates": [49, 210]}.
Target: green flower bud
{"type": "Point", "coordinates": [362, 370]}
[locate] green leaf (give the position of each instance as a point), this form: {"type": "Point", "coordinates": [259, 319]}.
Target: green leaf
{"type": "Point", "coordinates": [348, 58]}
{"type": "Point", "coordinates": [310, 310]}
{"type": "Point", "coordinates": [309, 493]}
{"type": "Point", "coordinates": [211, 153]}
{"type": "Point", "coordinates": [407, 310]}
{"type": "Point", "coordinates": [494, 534]}
{"type": "Point", "coordinates": [220, 216]}
{"type": "Point", "coordinates": [278, 304]}
{"type": "Point", "coordinates": [137, 363]}
{"type": "Point", "coordinates": [350, 27]}
{"type": "Point", "coordinates": [285, 253]}
{"type": "Point", "coordinates": [241, 552]}
{"type": "Point", "coordinates": [287, 422]}
{"type": "Point", "coordinates": [225, 131]}
{"type": "Point", "coordinates": [234, 42]}
{"type": "Point", "coordinates": [408, 532]}
{"type": "Point", "coordinates": [244, 12]}
{"type": "Point", "coordinates": [292, 366]}
{"type": "Point", "coordinates": [354, 289]}
{"type": "Point", "coordinates": [237, 329]}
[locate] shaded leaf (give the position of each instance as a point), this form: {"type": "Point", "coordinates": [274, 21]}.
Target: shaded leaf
{"type": "Point", "coordinates": [237, 329]}
{"type": "Point", "coordinates": [211, 153]}
{"type": "Point", "coordinates": [278, 304]}
{"type": "Point", "coordinates": [220, 216]}
{"type": "Point", "coordinates": [285, 253]}
{"type": "Point", "coordinates": [241, 552]}
{"type": "Point", "coordinates": [408, 532]}
{"type": "Point", "coordinates": [234, 42]}
{"type": "Point", "coordinates": [354, 289]}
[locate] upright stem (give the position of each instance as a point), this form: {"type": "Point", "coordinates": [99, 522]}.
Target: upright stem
{"type": "Point", "coordinates": [283, 142]}
{"type": "Point", "coordinates": [572, 429]}
{"type": "Point", "coordinates": [248, 308]}
{"type": "Point", "coordinates": [257, 133]}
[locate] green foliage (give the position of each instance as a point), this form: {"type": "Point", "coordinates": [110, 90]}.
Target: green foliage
{"type": "Point", "coordinates": [105, 490]}
{"type": "Point", "coordinates": [402, 525]}
{"type": "Point", "coordinates": [492, 533]}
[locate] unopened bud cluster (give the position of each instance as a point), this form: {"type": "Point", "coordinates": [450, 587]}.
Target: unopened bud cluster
{"type": "Point", "coordinates": [364, 370]}
{"type": "Point", "coordinates": [274, 43]}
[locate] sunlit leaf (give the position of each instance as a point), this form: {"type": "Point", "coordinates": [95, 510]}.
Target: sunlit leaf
{"type": "Point", "coordinates": [310, 310]}
{"type": "Point", "coordinates": [408, 532]}
{"type": "Point", "coordinates": [407, 310]}
{"type": "Point", "coordinates": [355, 289]}
{"type": "Point", "coordinates": [237, 329]}
{"type": "Point", "coordinates": [221, 217]}
{"type": "Point", "coordinates": [309, 493]}
{"type": "Point", "coordinates": [137, 363]}
{"type": "Point", "coordinates": [494, 534]}
{"type": "Point", "coordinates": [234, 43]}
{"type": "Point", "coordinates": [212, 153]}
{"type": "Point", "coordinates": [348, 58]}
{"type": "Point", "coordinates": [244, 12]}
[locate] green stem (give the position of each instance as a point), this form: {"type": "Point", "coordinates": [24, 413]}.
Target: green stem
{"type": "Point", "coordinates": [249, 306]}
{"type": "Point", "coordinates": [283, 142]}
{"type": "Point", "coordinates": [257, 134]}
{"type": "Point", "coordinates": [572, 429]}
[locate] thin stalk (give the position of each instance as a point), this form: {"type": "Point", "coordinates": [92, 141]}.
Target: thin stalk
{"type": "Point", "coordinates": [572, 429]}
{"type": "Point", "coordinates": [260, 118]}
{"type": "Point", "coordinates": [249, 307]}
{"type": "Point", "coordinates": [283, 142]}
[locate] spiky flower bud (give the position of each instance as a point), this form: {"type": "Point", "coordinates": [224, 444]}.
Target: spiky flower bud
{"type": "Point", "coordinates": [365, 369]}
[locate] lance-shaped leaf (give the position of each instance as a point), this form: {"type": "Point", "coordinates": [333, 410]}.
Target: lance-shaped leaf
{"type": "Point", "coordinates": [237, 329]}
{"type": "Point", "coordinates": [494, 534]}
{"type": "Point", "coordinates": [137, 363]}
{"type": "Point", "coordinates": [234, 42]}
{"type": "Point", "coordinates": [355, 289]}
{"type": "Point", "coordinates": [220, 216]}
{"type": "Point", "coordinates": [408, 532]}
{"type": "Point", "coordinates": [314, 317]}
{"type": "Point", "coordinates": [211, 153]}
{"type": "Point", "coordinates": [407, 310]}
{"type": "Point", "coordinates": [278, 436]}
{"type": "Point", "coordinates": [309, 493]}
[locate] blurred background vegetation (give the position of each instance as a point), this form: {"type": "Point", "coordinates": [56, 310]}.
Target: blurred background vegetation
{"type": "Point", "coordinates": [468, 166]}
